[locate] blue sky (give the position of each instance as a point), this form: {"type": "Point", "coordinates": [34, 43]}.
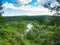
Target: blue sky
{"type": "Point", "coordinates": [12, 1]}
{"type": "Point", "coordinates": [31, 3]}
{"type": "Point", "coordinates": [21, 8]}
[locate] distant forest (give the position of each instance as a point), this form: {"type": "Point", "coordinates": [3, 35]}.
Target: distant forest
{"type": "Point", "coordinates": [45, 30]}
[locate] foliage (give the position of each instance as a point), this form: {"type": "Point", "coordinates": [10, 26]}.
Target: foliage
{"type": "Point", "coordinates": [41, 35]}
{"type": "Point", "coordinates": [10, 33]}
{"type": "Point", "coordinates": [45, 31]}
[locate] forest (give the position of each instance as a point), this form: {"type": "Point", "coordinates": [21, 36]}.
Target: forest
{"type": "Point", "coordinates": [37, 30]}
{"type": "Point", "coordinates": [45, 31]}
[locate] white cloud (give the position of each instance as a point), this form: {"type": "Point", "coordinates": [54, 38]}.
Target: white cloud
{"type": "Point", "coordinates": [41, 1]}
{"type": "Point", "coordinates": [23, 1]}
{"type": "Point", "coordinates": [28, 10]}
{"type": "Point", "coordinates": [28, 13]}
{"type": "Point", "coordinates": [9, 5]}
{"type": "Point", "coordinates": [12, 14]}
{"type": "Point", "coordinates": [54, 4]}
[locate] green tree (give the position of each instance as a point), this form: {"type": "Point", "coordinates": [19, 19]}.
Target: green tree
{"type": "Point", "coordinates": [1, 18]}
{"type": "Point", "coordinates": [41, 35]}
{"type": "Point", "coordinates": [55, 20]}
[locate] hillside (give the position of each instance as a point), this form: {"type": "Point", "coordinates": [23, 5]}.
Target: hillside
{"type": "Point", "coordinates": [45, 31]}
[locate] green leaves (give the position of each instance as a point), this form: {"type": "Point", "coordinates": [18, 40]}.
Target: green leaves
{"type": "Point", "coordinates": [44, 32]}
{"type": "Point", "coordinates": [41, 34]}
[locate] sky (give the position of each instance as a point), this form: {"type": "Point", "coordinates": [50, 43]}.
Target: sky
{"type": "Point", "coordinates": [27, 7]}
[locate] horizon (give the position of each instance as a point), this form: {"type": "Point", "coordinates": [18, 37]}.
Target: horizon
{"type": "Point", "coordinates": [27, 7]}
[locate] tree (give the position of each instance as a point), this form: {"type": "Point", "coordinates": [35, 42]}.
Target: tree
{"type": "Point", "coordinates": [58, 1]}
{"type": "Point", "coordinates": [41, 35]}
{"type": "Point", "coordinates": [1, 7]}
{"type": "Point", "coordinates": [1, 18]}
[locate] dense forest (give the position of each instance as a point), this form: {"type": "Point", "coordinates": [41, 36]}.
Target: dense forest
{"type": "Point", "coordinates": [37, 30]}
{"type": "Point", "coordinates": [45, 31]}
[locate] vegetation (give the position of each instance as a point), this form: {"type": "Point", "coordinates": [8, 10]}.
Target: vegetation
{"type": "Point", "coordinates": [45, 31]}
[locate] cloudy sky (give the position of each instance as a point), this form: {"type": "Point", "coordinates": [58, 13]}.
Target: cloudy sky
{"type": "Point", "coordinates": [27, 7]}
